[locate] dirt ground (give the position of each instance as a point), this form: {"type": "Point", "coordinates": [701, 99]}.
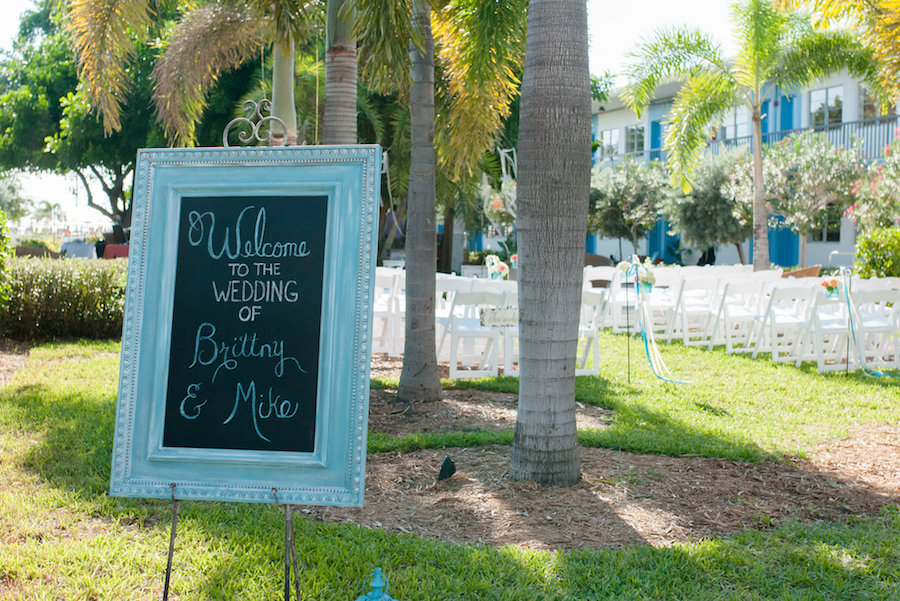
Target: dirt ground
{"type": "Point", "coordinates": [622, 498]}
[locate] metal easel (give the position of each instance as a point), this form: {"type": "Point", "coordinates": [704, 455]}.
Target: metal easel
{"type": "Point", "coordinates": [290, 548]}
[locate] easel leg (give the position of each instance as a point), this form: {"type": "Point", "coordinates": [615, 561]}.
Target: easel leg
{"type": "Point", "coordinates": [290, 551]}
{"type": "Point", "coordinates": [175, 508]}
{"type": "Point", "coordinates": [288, 528]}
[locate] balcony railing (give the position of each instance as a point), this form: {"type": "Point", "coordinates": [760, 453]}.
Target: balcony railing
{"type": "Point", "coordinates": [869, 135]}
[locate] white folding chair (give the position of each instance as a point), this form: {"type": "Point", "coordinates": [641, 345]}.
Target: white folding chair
{"type": "Point", "coordinates": [446, 288]}
{"type": "Point", "coordinates": [602, 275]}
{"type": "Point", "coordinates": [621, 305]}
{"type": "Point", "coordinates": [383, 310]}
{"type": "Point", "coordinates": [696, 309]}
{"type": "Point", "coordinates": [662, 303]}
{"type": "Point", "coordinates": [480, 344]}
{"type": "Point", "coordinates": [780, 325]}
{"type": "Point", "coordinates": [825, 336]}
{"type": "Point", "coordinates": [399, 313]}
{"type": "Point", "coordinates": [592, 303]}
{"type": "Point", "coordinates": [737, 313]}
{"type": "Point", "coordinates": [877, 326]}
{"type": "Point", "coordinates": [509, 333]}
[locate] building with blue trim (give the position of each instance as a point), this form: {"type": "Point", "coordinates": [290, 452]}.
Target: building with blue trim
{"type": "Point", "coordinates": [841, 106]}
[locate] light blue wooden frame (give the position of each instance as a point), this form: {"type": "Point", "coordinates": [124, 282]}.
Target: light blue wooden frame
{"type": "Point", "coordinates": [334, 473]}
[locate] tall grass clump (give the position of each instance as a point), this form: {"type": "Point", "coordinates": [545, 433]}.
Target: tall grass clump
{"type": "Point", "coordinates": [63, 298]}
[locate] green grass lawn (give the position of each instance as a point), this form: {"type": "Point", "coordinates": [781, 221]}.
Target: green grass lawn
{"type": "Point", "coordinates": [63, 537]}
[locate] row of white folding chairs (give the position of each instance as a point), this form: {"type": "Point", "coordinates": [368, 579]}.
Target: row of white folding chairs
{"type": "Point", "coordinates": [681, 303]}
{"type": "Point", "coordinates": [709, 310]}
{"type": "Point", "coordinates": [806, 323]}
{"type": "Point", "coordinates": [792, 319]}
{"type": "Point", "coordinates": [473, 348]}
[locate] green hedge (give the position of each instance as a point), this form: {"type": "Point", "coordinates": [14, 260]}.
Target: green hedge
{"type": "Point", "coordinates": [878, 253]}
{"type": "Point", "coordinates": [63, 298]}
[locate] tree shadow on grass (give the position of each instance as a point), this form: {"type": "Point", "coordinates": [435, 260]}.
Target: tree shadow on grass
{"type": "Point", "coordinates": [336, 563]}
{"type": "Point", "coordinates": [76, 435]}
{"type": "Point", "coordinates": [639, 428]}
{"type": "Point", "coordinates": [855, 559]}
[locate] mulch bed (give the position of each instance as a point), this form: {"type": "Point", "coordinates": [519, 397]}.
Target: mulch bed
{"type": "Point", "coordinates": [622, 499]}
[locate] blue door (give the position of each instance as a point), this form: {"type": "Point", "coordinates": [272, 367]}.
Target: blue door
{"type": "Point", "coordinates": [787, 112]}
{"type": "Point", "coordinates": [656, 141]}
{"type": "Point", "coordinates": [662, 244]}
{"type": "Point", "coordinates": [784, 246]}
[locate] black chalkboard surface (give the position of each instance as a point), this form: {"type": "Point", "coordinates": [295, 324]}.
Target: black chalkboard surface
{"type": "Point", "coordinates": [243, 364]}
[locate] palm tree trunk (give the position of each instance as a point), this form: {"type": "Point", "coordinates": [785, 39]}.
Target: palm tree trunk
{"type": "Point", "coordinates": [760, 211]}
{"type": "Point", "coordinates": [740, 252]}
{"type": "Point", "coordinates": [419, 379]}
{"type": "Point", "coordinates": [553, 187]}
{"type": "Point", "coordinates": [339, 120]}
{"type": "Point", "coordinates": [283, 92]}
{"type": "Point", "coordinates": [802, 237]}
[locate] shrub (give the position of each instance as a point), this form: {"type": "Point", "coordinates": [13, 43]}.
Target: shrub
{"type": "Point", "coordinates": [878, 253]}
{"type": "Point", "coordinates": [5, 253]}
{"type": "Point", "coordinates": [46, 244]}
{"type": "Point", "coordinates": [70, 298]}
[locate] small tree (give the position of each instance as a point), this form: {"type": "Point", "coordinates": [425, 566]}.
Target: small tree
{"type": "Point", "coordinates": [709, 215]}
{"type": "Point", "coordinates": [626, 200]}
{"type": "Point", "coordinates": [809, 178]}
{"type": "Point", "coordinates": [877, 193]}
{"type": "Point", "coordinates": [12, 203]}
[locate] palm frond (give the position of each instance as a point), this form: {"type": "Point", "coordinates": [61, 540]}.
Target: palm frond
{"type": "Point", "coordinates": [480, 45]}
{"type": "Point", "coordinates": [761, 30]}
{"type": "Point", "coordinates": [884, 36]}
{"type": "Point", "coordinates": [668, 54]}
{"type": "Point", "coordinates": [399, 151]}
{"type": "Point", "coordinates": [700, 104]}
{"type": "Point", "coordinates": [819, 53]}
{"type": "Point", "coordinates": [101, 33]}
{"type": "Point", "coordinates": [290, 19]}
{"type": "Point", "coordinates": [206, 42]}
{"type": "Point", "coordinates": [384, 29]}
{"type": "Point", "coordinates": [368, 110]}
{"type": "Point", "coordinates": [875, 22]}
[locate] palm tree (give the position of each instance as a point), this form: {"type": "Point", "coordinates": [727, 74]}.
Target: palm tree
{"type": "Point", "coordinates": [553, 188]}
{"type": "Point", "coordinates": [878, 21]}
{"type": "Point", "coordinates": [404, 62]}
{"type": "Point", "coordinates": [340, 74]}
{"type": "Point", "coordinates": [776, 49]}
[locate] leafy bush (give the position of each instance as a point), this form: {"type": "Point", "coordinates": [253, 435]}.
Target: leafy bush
{"type": "Point", "coordinates": [45, 244]}
{"type": "Point", "coordinates": [878, 192]}
{"type": "Point", "coordinates": [878, 253]}
{"type": "Point", "coordinates": [70, 298]}
{"type": "Point", "coordinates": [5, 253]}
{"type": "Point", "coordinates": [626, 200]}
{"type": "Point", "coordinates": [710, 215]}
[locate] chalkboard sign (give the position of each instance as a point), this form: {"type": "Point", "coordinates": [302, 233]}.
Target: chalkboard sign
{"type": "Point", "coordinates": [248, 325]}
{"type": "Point", "coordinates": [245, 323]}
